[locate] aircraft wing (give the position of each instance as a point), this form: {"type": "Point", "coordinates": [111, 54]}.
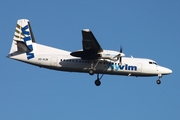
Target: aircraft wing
{"type": "Point", "coordinates": [90, 43]}
{"type": "Point", "coordinates": [91, 47]}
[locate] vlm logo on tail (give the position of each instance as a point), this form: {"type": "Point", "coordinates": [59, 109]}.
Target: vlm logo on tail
{"type": "Point", "coordinates": [28, 41]}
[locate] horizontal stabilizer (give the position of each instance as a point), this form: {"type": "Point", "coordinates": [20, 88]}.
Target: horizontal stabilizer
{"type": "Point", "coordinates": [22, 47]}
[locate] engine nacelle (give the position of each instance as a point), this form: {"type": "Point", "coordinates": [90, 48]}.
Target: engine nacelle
{"type": "Point", "coordinates": [111, 57]}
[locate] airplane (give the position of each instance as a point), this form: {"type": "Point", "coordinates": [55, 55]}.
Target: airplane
{"type": "Point", "coordinates": [91, 59]}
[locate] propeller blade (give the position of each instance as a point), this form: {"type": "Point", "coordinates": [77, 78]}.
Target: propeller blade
{"type": "Point", "coordinates": [120, 49]}
{"type": "Point", "coordinates": [120, 58]}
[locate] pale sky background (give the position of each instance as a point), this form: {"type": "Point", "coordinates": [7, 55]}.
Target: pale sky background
{"type": "Point", "coordinates": [147, 29]}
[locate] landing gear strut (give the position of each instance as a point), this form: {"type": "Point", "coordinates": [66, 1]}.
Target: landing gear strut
{"type": "Point", "coordinates": [159, 81]}
{"type": "Point", "coordinates": [91, 72]}
{"type": "Point", "coordinates": [92, 68]}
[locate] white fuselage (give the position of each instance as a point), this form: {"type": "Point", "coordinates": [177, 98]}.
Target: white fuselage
{"type": "Point", "coordinates": [57, 59]}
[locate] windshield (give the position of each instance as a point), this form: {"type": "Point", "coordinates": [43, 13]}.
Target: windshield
{"type": "Point", "coordinates": [150, 62]}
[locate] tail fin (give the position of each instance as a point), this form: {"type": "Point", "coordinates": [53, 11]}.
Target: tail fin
{"type": "Point", "coordinates": [23, 40]}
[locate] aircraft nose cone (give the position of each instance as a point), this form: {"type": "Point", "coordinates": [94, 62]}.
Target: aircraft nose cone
{"type": "Point", "coordinates": [165, 70]}
{"type": "Point", "coordinates": [169, 71]}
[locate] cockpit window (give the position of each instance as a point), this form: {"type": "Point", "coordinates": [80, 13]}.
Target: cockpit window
{"type": "Point", "coordinates": [152, 63]}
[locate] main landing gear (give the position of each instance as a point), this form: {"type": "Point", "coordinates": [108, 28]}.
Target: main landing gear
{"type": "Point", "coordinates": [92, 69]}
{"type": "Point", "coordinates": [159, 81]}
{"type": "Point", "coordinates": [97, 81]}
{"type": "Point", "coordinates": [91, 72]}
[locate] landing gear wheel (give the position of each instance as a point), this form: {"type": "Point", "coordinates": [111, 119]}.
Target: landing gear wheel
{"type": "Point", "coordinates": [158, 82]}
{"type": "Point", "coordinates": [97, 82]}
{"type": "Point", "coordinates": [91, 71]}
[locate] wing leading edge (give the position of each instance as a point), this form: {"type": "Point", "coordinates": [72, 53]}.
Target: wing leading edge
{"type": "Point", "coordinates": [91, 47]}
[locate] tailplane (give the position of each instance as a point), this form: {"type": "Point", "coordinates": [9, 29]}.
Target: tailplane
{"type": "Point", "coordinates": [23, 40]}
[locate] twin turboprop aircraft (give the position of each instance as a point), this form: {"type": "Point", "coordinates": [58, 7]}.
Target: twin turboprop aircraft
{"type": "Point", "coordinates": [91, 59]}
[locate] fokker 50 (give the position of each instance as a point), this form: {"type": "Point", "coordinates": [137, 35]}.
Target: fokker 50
{"type": "Point", "coordinates": [91, 59]}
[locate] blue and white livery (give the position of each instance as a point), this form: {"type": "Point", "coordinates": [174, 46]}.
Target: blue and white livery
{"type": "Point", "coordinates": [91, 59]}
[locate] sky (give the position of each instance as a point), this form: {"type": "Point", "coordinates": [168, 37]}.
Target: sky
{"type": "Point", "coordinates": [146, 29]}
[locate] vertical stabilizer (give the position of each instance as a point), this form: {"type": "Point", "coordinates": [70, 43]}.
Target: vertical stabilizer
{"type": "Point", "coordinates": [23, 40]}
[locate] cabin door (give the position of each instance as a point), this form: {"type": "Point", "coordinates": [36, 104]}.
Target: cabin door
{"type": "Point", "coordinates": [54, 61]}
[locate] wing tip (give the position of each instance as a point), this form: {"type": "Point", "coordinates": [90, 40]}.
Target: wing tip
{"type": "Point", "coordinates": [86, 30]}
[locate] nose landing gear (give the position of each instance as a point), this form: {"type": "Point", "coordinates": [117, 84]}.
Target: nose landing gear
{"type": "Point", "coordinates": [159, 81]}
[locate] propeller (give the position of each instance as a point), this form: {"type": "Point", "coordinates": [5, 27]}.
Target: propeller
{"type": "Point", "coordinates": [120, 54]}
